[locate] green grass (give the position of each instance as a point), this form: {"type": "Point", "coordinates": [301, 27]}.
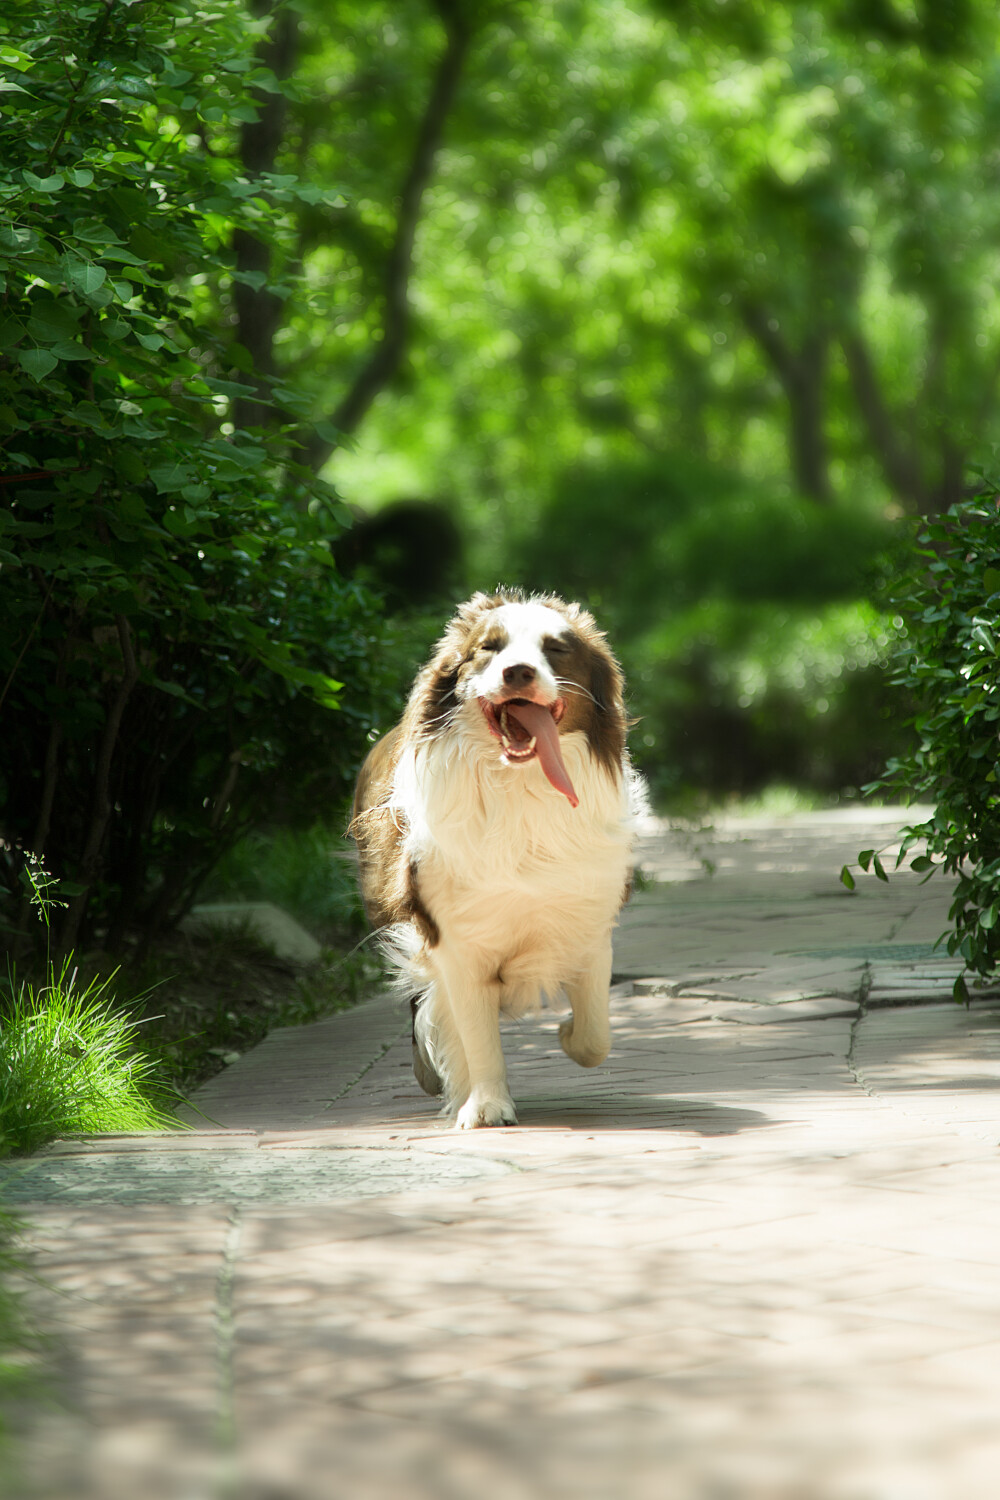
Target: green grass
{"type": "Point", "coordinates": [777, 801]}
{"type": "Point", "coordinates": [69, 1065]}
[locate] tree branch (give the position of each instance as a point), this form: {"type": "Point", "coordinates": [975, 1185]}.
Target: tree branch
{"type": "Point", "coordinates": [387, 356]}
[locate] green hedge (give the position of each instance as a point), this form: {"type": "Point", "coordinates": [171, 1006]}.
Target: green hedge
{"type": "Point", "coordinates": [950, 663]}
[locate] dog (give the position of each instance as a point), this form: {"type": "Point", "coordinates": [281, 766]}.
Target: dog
{"type": "Point", "coordinates": [494, 827]}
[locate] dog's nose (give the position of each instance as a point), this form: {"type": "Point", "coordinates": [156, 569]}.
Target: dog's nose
{"type": "Point", "coordinates": [520, 676]}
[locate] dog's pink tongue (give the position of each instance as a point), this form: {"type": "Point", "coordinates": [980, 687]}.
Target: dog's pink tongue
{"type": "Point", "coordinates": [540, 723]}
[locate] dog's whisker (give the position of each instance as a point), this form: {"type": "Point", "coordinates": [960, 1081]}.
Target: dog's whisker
{"type": "Point", "coordinates": [442, 718]}
{"type": "Point", "coordinates": [576, 688]}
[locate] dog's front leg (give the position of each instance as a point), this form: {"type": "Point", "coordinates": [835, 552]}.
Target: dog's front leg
{"type": "Point", "coordinates": [474, 1005]}
{"type": "Point", "coordinates": [587, 1038]}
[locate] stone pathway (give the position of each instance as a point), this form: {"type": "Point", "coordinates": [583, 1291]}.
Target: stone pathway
{"type": "Point", "coordinates": [755, 1256]}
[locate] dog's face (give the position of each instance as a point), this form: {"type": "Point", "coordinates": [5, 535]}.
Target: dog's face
{"type": "Point", "coordinates": [530, 671]}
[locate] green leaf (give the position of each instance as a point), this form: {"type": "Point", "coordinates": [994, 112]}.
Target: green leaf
{"type": "Point", "coordinates": [170, 477]}
{"type": "Point", "coordinates": [176, 691]}
{"type": "Point", "coordinates": [988, 918]}
{"type": "Point", "coordinates": [84, 277]}
{"type": "Point", "coordinates": [72, 350]}
{"type": "Point", "coordinates": [37, 362]}
{"type": "Point", "coordinates": [121, 256]}
{"type": "Point", "coordinates": [11, 332]}
{"type": "Point", "coordinates": [846, 878]}
{"type": "Point", "coordinates": [50, 184]}
{"type": "Point", "coordinates": [229, 387]}
{"type": "Point", "coordinates": [16, 237]}
{"type": "Point", "coordinates": [960, 991]}
{"type": "Point", "coordinates": [52, 320]}
{"type": "Point", "coordinates": [865, 858]}
{"type": "Point", "coordinates": [94, 231]}
{"type": "Point", "coordinates": [879, 870]}
{"type": "Point", "coordinates": [178, 524]}
{"type": "Point", "coordinates": [137, 88]}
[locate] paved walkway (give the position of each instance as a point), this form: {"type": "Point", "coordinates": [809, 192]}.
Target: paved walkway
{"type": "Point", "coordinates": [755, 1256]}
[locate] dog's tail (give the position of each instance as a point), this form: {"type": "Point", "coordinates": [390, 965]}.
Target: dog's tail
{"type": "Point", "coordinates": [406, 953]}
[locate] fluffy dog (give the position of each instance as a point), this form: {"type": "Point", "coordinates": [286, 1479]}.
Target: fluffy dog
{"type": "Point", "coordinates": [494, 826]}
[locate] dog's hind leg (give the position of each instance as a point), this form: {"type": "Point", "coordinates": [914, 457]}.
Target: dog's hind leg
{"type": "Point", "coordinates": [424, 1069]}
{"type": "Point", "coordinates": [587, 1037]}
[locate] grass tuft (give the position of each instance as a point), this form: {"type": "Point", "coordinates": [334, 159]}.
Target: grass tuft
{"type": "Point", "coordinates": [69, 1065]}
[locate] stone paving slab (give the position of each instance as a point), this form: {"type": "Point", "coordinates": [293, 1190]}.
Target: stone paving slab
{"type": "Point", "coordinates": [751, 1257]}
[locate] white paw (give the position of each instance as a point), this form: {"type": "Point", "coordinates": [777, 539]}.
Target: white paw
{"type": "Point", "coordinates": [588, 1054]}
{"type": "Point", "coordinates": [486, 1108]}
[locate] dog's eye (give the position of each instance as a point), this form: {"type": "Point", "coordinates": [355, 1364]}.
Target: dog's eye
{"type": "Point", "coordinates": [556, 647]}
{"type": "Point", "coordinates": [491, 646]}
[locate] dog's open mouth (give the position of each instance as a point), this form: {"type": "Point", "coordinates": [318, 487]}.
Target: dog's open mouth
{"type": "Point", "coordinates": [527, 730]}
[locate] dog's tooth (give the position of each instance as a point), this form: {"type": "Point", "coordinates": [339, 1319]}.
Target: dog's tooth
{"type": "Point", "coordinates": [531, 744]}
{"type": "Point", "coordinates": [506, 742]}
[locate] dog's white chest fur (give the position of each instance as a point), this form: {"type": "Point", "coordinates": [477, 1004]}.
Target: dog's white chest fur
{"type": "Point", "coordinates": [527, 885]}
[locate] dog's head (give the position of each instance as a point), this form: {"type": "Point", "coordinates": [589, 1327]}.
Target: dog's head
{"type": "Point", "coordinates": [525, 671]}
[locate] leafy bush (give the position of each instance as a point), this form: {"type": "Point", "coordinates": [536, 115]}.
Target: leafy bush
{"type": "Point", "coordinates": [173, 634]}
{"type": "Point", "coordinates": [949, 662]}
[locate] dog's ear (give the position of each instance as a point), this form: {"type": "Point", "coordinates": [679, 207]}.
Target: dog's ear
{"type": "Point", "coordinates": [608, 723]}
{"type": "Point", "coordinates": [433, 697]}
{"type": "Point", "coordinates": [606, 682]}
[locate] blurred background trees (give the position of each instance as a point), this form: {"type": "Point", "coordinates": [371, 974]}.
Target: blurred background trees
{"type": "Point", "coordinates": [684, 307]}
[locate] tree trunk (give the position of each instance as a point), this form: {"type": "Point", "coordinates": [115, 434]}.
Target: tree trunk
{"type": "Point", "coordinates": [258, 310]}
{"type": "Point", "coordinates": [101, 808]}
{"type": "Point", "coordinates": [802, 373]}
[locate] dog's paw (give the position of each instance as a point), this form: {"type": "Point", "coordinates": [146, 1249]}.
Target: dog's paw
{"type": "Point", "coordinates": [482, 1108]}
{"type": "Point", "coordinates": [587, 1054]}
